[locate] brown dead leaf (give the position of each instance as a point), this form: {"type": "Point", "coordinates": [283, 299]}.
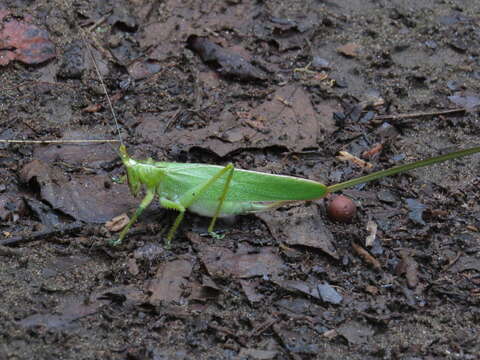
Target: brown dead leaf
{"type": "Point", "coordinates": [466, 262]}
{"type": "Point", "coordinates": [301, 225]}
{"type": "Point", "coordinates": [204, 291]}
{"type": "Point", "coordinates": [222, 262]}
{"type": "Point", "coordinates": [71, 309]}
{"type": "Point", "coordinates": [273, 123]}
{"type": "Point", "coordinates": [170, 281]}
{"type": "Point", "coordinates": [84, 197]}
{"type": "Point", "coordinates": [22, 41]}
{"type": "Point", "coordinates": [81, 154]}
{"type": "Point", "coordinates": [117, 223]}
{"type": "Point", "coordinates": [356, 332]}
{"type": "Point", "coordinates": [167, 37]}
{"type": "Point", "coordinates": [301, 342]}
{"type": "Point", "coordinates": [249, 289]}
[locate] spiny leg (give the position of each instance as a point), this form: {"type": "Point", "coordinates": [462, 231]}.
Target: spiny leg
{"type": "Point", "coordinates": [193, 195]}
{"type": "Point", "coordinates": [143, 205]}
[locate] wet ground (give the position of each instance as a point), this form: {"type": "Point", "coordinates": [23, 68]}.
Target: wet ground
{"type": "Point", "coordinates": [272, 86]}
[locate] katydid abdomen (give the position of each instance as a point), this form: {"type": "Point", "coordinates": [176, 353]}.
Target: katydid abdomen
{"type": "Point", "coordinates": [211, 190]}
{"type": "Point", "coordinates": [248, 191]}
{"type": "Point", "coordinates": [216, 191]}
{"type": "Point", "coordinates": [245, 185]}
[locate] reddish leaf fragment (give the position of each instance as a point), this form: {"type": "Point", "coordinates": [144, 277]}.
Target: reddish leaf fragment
{"type": "Point", "coordinates": [24, 42]}
{"type": "Point", "coordinates": [376, 149]}
{"type": "Point", "coordinates": [117, 223]}
{"type": "Point", "coordinates": [349, 50]}
{"type": "Point", "coordinates": [93, 108]}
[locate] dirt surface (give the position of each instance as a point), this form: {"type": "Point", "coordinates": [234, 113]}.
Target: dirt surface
{"type": "Point", "coordinates": [273, 86]}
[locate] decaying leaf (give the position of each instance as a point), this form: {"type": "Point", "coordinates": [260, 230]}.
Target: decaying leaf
{"type": "Point", "coordinates": [117, 223]}
{"type": "Point", "coordinates": [22, 41]}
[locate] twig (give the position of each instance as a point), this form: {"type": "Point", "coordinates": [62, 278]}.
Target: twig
{"type": "Point", "coordinates": [53, 231]}
{"type": "Point", "coordinates": [263, 327]}
{"type": "Point", "coordinates": [417, 115]}
{"type": "Point", "coordinates": [6, 251]}
{"type": "Point", "coordinates": [98, 22]}
{"type": "Point", "coordinates": [305, 69]}
{"type": "Point", "coordinates": [452, 261]}
{"type": "Point", "coordinates": [365, 255]}
{"type": "Point", "coordinates": [346, 156]}
{"type": "Point", "coordinates": [228, 332]}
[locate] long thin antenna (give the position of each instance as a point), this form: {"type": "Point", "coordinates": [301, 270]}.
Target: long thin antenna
{"type": "Point", "coordinates": [73, 141]}
{"type": "Point", "coordinates": [82, 33]}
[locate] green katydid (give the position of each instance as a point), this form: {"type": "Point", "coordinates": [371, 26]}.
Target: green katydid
{"type": "Point", "coordinates": [217, 191]}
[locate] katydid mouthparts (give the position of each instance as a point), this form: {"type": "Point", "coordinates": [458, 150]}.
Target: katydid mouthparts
{"type": "Point", "coordinates": [218, 191]}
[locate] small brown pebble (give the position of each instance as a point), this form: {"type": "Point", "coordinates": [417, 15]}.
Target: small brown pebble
{"type": "Point", "coordinates": [341, 209]}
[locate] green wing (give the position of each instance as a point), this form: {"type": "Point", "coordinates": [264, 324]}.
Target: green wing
{"type": "Point", "coordinates": [246, 186]}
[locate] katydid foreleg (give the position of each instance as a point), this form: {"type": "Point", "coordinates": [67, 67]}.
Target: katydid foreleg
{"type": "Point", "coordinates": [143, 205]}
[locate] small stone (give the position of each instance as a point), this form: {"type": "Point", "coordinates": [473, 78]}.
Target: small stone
{"type": "Point", "coordinates": [329, 294]}
{"type": "Point", "coordinates": [341, 209]}
{"type": "Point", "coordinates": [319, 63]}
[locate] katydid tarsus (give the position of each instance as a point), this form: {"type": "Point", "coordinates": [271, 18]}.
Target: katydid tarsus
{"type": "Point", "coordinates": [217, 191]}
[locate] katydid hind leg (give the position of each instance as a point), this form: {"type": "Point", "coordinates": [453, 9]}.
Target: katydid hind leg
{"type": "Point", "coordinates": [193, 195]}
{"type": "Point", "coordinates": [221, 200]}
{"type": "Point", "coordinates": [143, 205]}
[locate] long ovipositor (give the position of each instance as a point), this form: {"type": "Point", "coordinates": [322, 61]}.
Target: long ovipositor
{"type": "Point", "coordinates": [216, 191]}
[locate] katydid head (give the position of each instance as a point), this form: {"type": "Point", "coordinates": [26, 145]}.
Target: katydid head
{"type": "Point", "coordinates": [132, 175]}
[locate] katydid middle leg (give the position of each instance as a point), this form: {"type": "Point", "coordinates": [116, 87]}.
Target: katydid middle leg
{"type": "Point", "coordinates": [193, 195]}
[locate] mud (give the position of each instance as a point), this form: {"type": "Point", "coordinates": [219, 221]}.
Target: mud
{"type": "Point", "coordinates": [273, 86]}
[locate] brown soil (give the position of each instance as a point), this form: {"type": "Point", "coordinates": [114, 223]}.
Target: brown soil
{"type": "Point", "coordinates": [272, 86]}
